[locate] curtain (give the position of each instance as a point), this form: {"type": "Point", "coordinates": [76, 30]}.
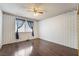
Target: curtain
{"type": "Point", "coordinates": [31, 24]}
{"type": "Point", "coordinates": [19, 23]}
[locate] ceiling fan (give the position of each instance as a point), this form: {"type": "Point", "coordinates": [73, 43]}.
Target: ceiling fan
{"type": "Point", "coordinates": [36, 9]}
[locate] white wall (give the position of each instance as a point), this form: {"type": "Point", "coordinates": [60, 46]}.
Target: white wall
{"type": "Point", "coordinates": [0, 28]}
{"type": "Point", "coordinates": [60, 29]}
{"type": "Point", "coordinates": [9, 30]}
{"type": "Point", "coordinates": [78, 29]}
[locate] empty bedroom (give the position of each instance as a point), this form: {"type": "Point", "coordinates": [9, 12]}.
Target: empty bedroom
{"type": "Point", "coordinates": [38, 29]}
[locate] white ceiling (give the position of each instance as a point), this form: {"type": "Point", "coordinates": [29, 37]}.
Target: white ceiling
{"type": "Point", "coordinates": [51, 9]}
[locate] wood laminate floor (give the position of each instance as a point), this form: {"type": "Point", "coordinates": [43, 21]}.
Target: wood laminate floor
{"type": "Point", "coordinates": [36, 47]}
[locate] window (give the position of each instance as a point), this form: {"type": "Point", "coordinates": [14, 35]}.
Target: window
{"type": "Point", "coordinates": [24, 27]}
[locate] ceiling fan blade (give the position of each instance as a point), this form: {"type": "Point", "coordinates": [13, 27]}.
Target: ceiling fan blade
{"type": "Point", "coordinates": [41, 12]}
{"type": "Point", "coordinates": [29, 10]}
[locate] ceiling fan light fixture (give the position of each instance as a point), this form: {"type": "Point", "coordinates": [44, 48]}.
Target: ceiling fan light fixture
{"type": "Point", "coordinates": [37, 10]}
{"type": "Point", "coordinates": [36, 14]}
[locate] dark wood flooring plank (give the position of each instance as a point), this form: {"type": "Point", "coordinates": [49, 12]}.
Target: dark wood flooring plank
{"type": "Point", "coordinates": [36, 47]}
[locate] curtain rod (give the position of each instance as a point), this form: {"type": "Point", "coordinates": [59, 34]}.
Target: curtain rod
{"type": "Point", "coordinates": [20, 19]}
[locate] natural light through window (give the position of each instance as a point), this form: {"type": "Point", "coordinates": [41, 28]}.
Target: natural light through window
{"type": "Point", "coordinates": [24, 28]}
